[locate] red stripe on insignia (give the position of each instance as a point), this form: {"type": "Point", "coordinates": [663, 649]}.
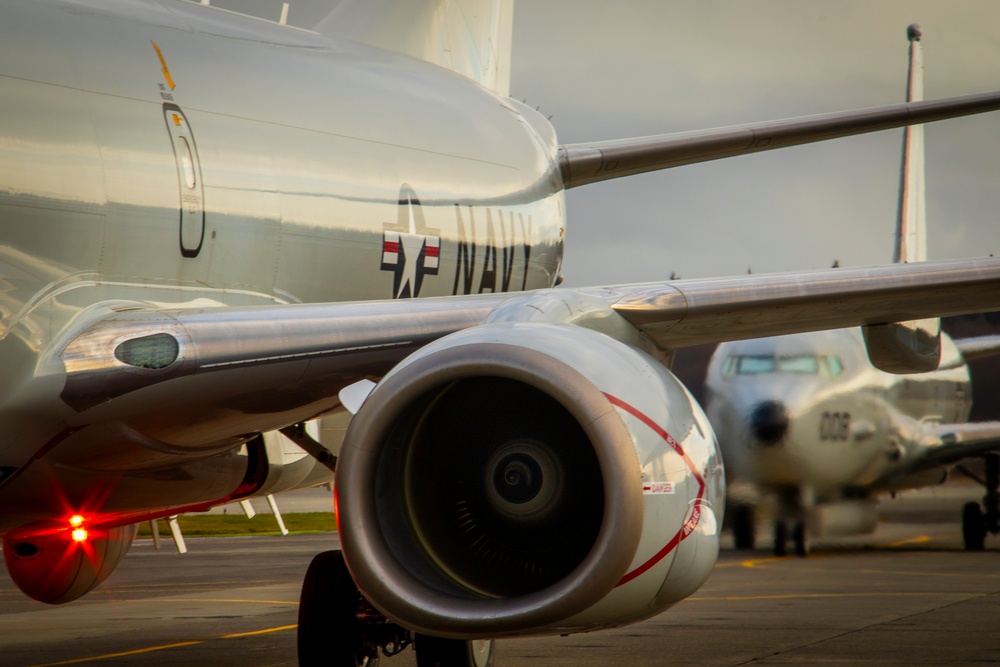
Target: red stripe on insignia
{"type": "Point", "coordinates": [390, 246]}
{"type": "Point", "coordinates": [432, 251]}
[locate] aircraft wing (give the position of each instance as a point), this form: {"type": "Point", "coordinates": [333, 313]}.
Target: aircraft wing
{"type": "Point", "coordinates": [226, 359]}
{"type": "Point", "coordinates": [282, 364]}
{"type": "Point", "coordinates": [598, 161]}
{"type": "Point", "coordinates": [954, 442]}
{"type": "Point", "coordinates": [979, 347]}
{"type": "Point", "coordinates": [691, 312]}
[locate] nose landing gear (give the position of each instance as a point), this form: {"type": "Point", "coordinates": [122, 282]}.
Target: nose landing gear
{"type": "Point", "coordinates": [339, 628]}
{"type": "Point", "coordinates": [978, 520]}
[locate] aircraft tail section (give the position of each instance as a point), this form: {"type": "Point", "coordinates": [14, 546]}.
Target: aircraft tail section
{"type": "Point", "coordinates": [909, 347]}
{"type": "Point", "coordinates": [471, 37]}
{"type": "Point", "coordinates": [911, 222]}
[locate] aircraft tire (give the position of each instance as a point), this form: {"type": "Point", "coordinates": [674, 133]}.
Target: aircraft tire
{"type": "Point", "coordinates": [800, 539]}
{"type": "Point", "coordinates": [780, 538]}
{"type": "Point", "coordinates": [743, 527]}
{"type": "Point", "coordinates": [973, 527]}
{"type": "Point", "coordinates": [329, 633]}
{"type": "Point", "coordinates": [441, 652]}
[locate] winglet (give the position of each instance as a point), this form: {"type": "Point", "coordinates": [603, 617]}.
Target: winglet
{"type": "Point", "coordinates": [909, 347]}
{"type": "Point", "coordinates": [911, 222]}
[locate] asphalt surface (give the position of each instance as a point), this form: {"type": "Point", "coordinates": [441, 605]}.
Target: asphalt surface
{"type": "Point", "coordinates": [907, 595]}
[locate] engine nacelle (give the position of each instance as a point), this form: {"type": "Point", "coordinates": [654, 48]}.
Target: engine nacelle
{"type": "Point", "coordinates": [49, 565]}
{"type": "Point", "coordinates": [528, 478]}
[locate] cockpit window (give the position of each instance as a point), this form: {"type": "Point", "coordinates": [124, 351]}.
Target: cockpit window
{"type": "Point", "coordinates": [804, 364]}
{"type": "Point", "coordinates": [832, 365]}
{"type": "Point", "coordinates": [800, 364]}
{"type": "Point", "coordinates": [754, 365]}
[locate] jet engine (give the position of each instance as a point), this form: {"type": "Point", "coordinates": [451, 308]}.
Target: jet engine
{"type": "Point", "coordinates": [57, 564]}
{"type": "Point", "coordinates": [528, 478]}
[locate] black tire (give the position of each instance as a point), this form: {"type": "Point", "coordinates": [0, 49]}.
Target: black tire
{"type": "Point", "coordinates": [743, 527]}
{"type": "Point", "coordinates": [973, 527]}
{"type": "Point", "coordinates": [329, 633]}
{"type": "Point", "coordinates": [780, 538]}
{"type": "Point", "coordinates": [800, 539]}
{"type": "Point", "coordinates": [440, 652]}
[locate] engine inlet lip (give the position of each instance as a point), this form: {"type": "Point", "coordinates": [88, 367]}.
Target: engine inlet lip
{"type": "Point", "coordinates": [415, 604]}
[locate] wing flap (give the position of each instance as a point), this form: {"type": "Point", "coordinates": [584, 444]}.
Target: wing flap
{"type": "Point", "coordinates": [582, 164]}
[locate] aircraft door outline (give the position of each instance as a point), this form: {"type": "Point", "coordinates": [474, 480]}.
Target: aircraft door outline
{"type": "Point", "coordinates": [191, 189]}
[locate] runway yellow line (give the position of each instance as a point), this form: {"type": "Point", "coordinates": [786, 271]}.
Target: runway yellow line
{"type": "Point", "coordinates": [808, 596]}
{"type": "Point", "coordinates": [287, 602]}
{"type": "Point", "coordinates": [753, 563]}
{"type": "Point", "coordinates": [151, 649]}
{"type": "Point", "coordinates": [259, 632]}
{"type": "Point", "coordinates": [916, 540]}
{"type": "Point", "coordinates": [120, 655]}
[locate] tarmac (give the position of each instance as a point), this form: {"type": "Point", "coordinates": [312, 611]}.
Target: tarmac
{"type": "Point", "coordinates": [907, 595]}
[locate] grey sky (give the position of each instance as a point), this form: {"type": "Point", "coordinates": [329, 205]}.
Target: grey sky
{"type": "Point", "coordinates": [609, 70]}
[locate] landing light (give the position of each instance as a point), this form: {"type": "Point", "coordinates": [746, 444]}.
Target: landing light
{"type": "Point", "coordinates": [79, 534]}
{"type": "Point", "coordinates": [76, 520]}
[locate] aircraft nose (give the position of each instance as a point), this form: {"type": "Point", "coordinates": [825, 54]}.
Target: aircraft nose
{"type": "Point", "coordinates": [769, 422]}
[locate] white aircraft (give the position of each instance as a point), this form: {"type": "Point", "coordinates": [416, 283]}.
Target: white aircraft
{"type": "Point", "coordinates": [815, 419]}
{"type": "Point", "coordinates": [210, 226]}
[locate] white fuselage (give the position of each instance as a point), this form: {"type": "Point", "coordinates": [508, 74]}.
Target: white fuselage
{"type": "Point", "coordinates": [808, 411]}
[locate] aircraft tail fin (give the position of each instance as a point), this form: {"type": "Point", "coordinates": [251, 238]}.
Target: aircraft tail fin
{"type": "Point", "coordinates": [909, 347]}
{"type": "Point", "coordinates": [911, 222]}
{"type": "Point", "coordinates": [471, 37]}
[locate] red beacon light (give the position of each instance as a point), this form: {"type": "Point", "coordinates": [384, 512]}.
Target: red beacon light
{"type": "Point", "coordinates": [79, 533]}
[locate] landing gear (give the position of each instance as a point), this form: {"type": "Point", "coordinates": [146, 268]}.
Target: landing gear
{"type": "Point", "coordinates": [780, 537]}
{"type": "Point", "coordinates": [794, 506]}
{"type": "Point", "coordinates": [800, 538]}
{"type": "Point", "coordinates": [339, 628]}
{"type": "Point", "coordinates": [973, 527]}
{"type": "Point", "coordinates": [978, 520]}
{"type": "Point", "coordinates": [440, 652]}
{"type": "Point", "coordinates": [743, 527]}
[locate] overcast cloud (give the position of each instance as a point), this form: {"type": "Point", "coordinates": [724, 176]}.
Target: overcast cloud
{"type": "Point", "coordinates": [607, 70]}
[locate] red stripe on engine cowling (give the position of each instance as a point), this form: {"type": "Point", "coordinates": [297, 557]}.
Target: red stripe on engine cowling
{"type": "Point", "coordinates": [693, 520]}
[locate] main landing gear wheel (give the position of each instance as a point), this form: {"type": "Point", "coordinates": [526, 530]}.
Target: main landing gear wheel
{"type": "Point", "coordinates": [330, 633]}
{"type": "Point", "coordinates": [973, 527]}
{"type": "Point", "coordinates": [780, 537]}
{"type": "Point", "coordinates": [440, 652]}
{"type": "Point", "coordinates": [800, 538]}
{"type": "Point", "coordinates": [743, 527]}
{"type": "Point", "coordinates": [980, 520]}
